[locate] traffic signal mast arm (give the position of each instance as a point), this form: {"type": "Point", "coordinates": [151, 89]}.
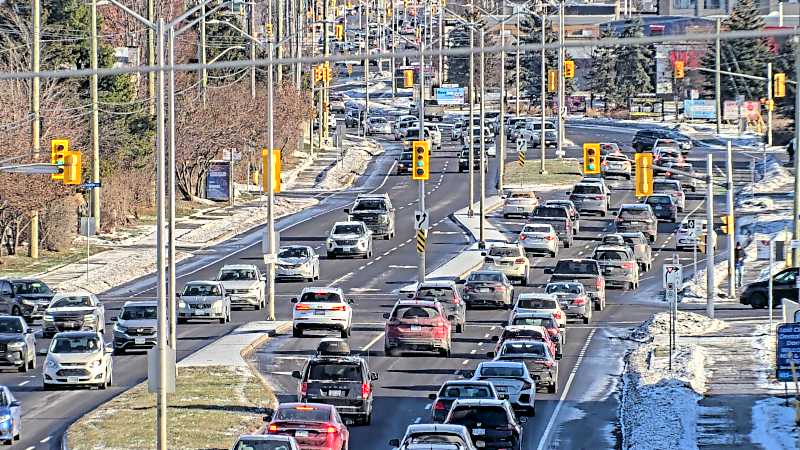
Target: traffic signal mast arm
{"type": "Point", "coordinates": [705, 178]}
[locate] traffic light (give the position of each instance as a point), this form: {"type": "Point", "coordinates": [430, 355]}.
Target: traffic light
{"type": "Point", "coordinates": [317, 73]}
{"type": "Point", "coordinates": [569, 68]}
{"type": "Point", "coordinates": [643, 181]}
{"type": "Point", "coordinates": [727, 224]}
{"type": "Point", "coordinates": [405, 4]}
{"type": "Point", "coordinates": [421, 153]}
{"type": "Point", "coordinates": [58, 151]}
{"type": "Point", "coordinates": [340, 31]}
{"type": "Point", "coordinates": [408, 78]}
{"type": "Point", "coordinates": [72, 168]}
{"type": "Point", "coordinates": [276, 170]}
{"type": "Point", "coordinates": [328, 72]}
{"type": "Point", "coordinates": [268, 29]}
{"type": "Point", "coordinates": [551, 80]}
{"type": "Point", "coordinates": [779, 85]}
{"type": "Point", "coordinates": [591, 159]}
{"type": "Point", "coordinates": [678, 70]}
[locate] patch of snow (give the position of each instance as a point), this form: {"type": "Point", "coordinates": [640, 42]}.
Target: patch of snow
{"type": "Point", "coordinates": [689, 324]}
{"type": "Point", "coordinates": [694, 289]}
{"type": "Point", "coordinates": [774, 427]}
{"type": "Point", "coordinates": [359, 153]}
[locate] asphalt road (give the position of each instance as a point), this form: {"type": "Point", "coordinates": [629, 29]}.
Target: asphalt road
{"type": "Point", "coordinates": [401, 397]}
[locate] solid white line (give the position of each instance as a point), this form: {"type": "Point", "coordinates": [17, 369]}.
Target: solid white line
{"type": "Point", "coordinates": [25, 382]}
{"type": "Point", "coordinates": [428, 407]}
{"type": "Point", "coordinates": [31, 448]}
{"type": "Point", "coordinates": [554, 416]}
{"type": "Point", "coordinates": [45, 439]}
{"type": "Point", "coordinates": [465, 362]}
{"type": "Point", "coordinates": [417, 420]}
{"type": "Point", "coordinates": [473, 351]}
{"type": "Point", "coordinates": [374, 341]}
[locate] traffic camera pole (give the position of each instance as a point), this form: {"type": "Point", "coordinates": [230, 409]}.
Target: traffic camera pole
{"type": "Point", "coordinates": [710, 291]}
{"type": "Point", "coordinates": [482, 242]}
{"type": "Point", "coordinates": [731, 226]}
{"type": "Point", "coordinates": [421, 261]}
{"type": "Point", "coordinates": [543, 57]}
{"type": "Point", "coordinates": [33, 250]}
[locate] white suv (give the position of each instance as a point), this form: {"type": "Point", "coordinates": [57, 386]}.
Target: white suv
{"type": "Point", "coordinates": [509, 259]}
{"type": "Point", "coordinates": [78, 358]}
{"type": "Point", "coordinates": [349, 239]}
{"type": "Point", "coordinates": [322, 308]}
{"type": "Point", "coordinates": [244, 285]}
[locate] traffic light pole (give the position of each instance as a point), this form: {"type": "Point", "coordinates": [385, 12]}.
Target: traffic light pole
{"type": "Point", "coordinates": [366, 72]}
{"type": "Point", "coordinates": [710, 284]}
{"type": "Point", "coordinates": [769, 104]}
{"type": "Point", "coordinates": [542, 169]}
{"type": "Point", "coordinates": [562, 108]}
{"type": "Point", "coordinates": [271, 189]}
{"type": "Point", "coordinates": [471, 146]}
{"type": "Point", "coordinates": [731, 226]}
{"type": "Point", "coordinates": [502, 128]}
{"type": "Point", "coordinates": [421, 255]}
{"type": "Point", "coordinates": [796, 203]}
{"type": "Point", "coordinates": [161, 401]}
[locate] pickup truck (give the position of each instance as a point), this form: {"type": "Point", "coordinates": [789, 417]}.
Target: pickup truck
{"type": "Point", "coordinates": [559, 217]}
{"type": "Point", "coordinates": [584, 271]}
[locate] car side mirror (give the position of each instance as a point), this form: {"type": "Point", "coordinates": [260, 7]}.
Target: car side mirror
{"type": "Point", "coordinates": [523, 420]}
{"type": "Point", "coordinates": [15, 403]}
{"type": "Point", "coordinates": [468, 373]}
{"type": "Point", "coordinates": [177, 294]}
{"type": "Point", "coordinates": [451, 317]}
{"type": "Point", "coordinates": [294, 300]}
{"type": "Point", "coordinates": [28, 331]}
{"type": "Point", "coordinates": [350, 301]}
{"type": "Point", "coordinates": [432, 396]}
{"type": "Point", "coordinates": [109, 348]}
{"type": "Point", "coordinates": [548, 270]}
{"type": "Point", "coordinates": [502, 396]}
{"type": "Point", "coordinates": [386, 316]}
{"type": "Point", "coordinates": [495, 338]}
{"type": "Point", "coordinates": [297, 374]}
{"type": "Point", "coordinates": [373, 376]}
{"type": "Point", "coordinates": [268, 413]}
{"type": "Point", "coordinates": [394, 442]}
{"type": "Point", "coordinates": [491, 354]}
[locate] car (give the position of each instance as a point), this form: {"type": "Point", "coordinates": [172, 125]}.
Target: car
{"type": "Point", "coordinates": [616, 165]}
{"type": "Point", "coordinates": [539, 238]}
{"type": "Point", "coordinates": [453, 390]}
{"type": "Point", "coordinates": [685, 238]}
{"type": "Point", "coordinates": [573, 298]}
{"type": "Point", "coordinates": [377, 125]}
{"type": "Point", "coordinates": [315, 426]}
{"type": "Point", "coordinates": [265, 442]}
{"type": "Point", "coordinates": [636, 241]}
{"type": "Point", "coordinates": [535, 355]}
{"type": "Point", "coordinates": [511, 126]}
{"type": "Point", "coordinates": [18, 344]}
{"type": "Point", "coordinates": [404, 162]}
{"type": "Point", "coordinates": [322, 308]}
{"type": "Point", "coordinates": [491, 423]}
{"type": "Point", "coordinates": [204, 300]}
{"type": "Point", "coordinates": [645, 140]}
{"type": "Point", "coordinates": [32, 297]}
{"type": "Point", "coordinates": [446, 293]}
{"type": "Point", "coordinates": [488, 136]}
{"type": "Point", "coordinates": [666, 151]}
{"type": "Point", "coordinates": [349, 239]}
{"type": "Point", "coordinates": [590, 197]}
{"type": "Point", "coordinates": [341, 381]}
{"type": "Point", "coordinates": [637, 217]}
{"type": "Point", "coordinates": [512, 380]}
{"type": "Point", "coordinates": [610, 148]}
{"type": "Point", "coordinates": [664, 206]}
{"type": "Point", "coordinates": [519, 202]}
{"type": "Point", "coordinates": [756, 294]}
{"type": "Point", "coordinates": [571, 211]}
{"type": "Point", "coordinates": [619, 266]}
{"type": "Point", "coordinates": [509, 259]}
{"type": "Point", "coordinates": [244, 285]}
{"type": "Point", "coordinates": [434, 436]}
{"type": "Point", "coordinates": [672, 187]}
{"type": "Point", "coordinates": [136, 325]}
{"type": "Point", "coordinates": [585, 271]}
{"type": "Point", "coordinates": [402, 124]}
{"type": "Point", "coordinates": [436, 135]}
{"type": "Point", "coordinates": [489, 144]}
{"type": "Point", "coordinates": [416, 325]}
{"type": "Point", "coordinates": [463, 160]}
{"type": "Point", "coordinates": [10, 416]}
{"type": "Point", "coordinates": [297, 262]}
{"type": "Point", "coordinates": [78, 358]}
{"type": "Point", "coordinates": [73, 311]}
{"type": "Point", "coordinates": [540, 319]}
{"type": "Point", "coordinates": [330, 346]}
{"type": "Point", "coordinates": [376, 212]}
{"type": "Point", "coordinates": [8, 302]}
{"type": "Point", "coordinates": [533, 302]}
{"type": "Point", "coordinates": [687, 181]}
{"type": "Point", "coordinates": [526, 332]}
{"type": "Point", "coordinates": [530, 132]}
{"type": "Point", "coordinates": [559, 217]}
{"type": "Point", "coordinates": [488, 288]}
{"type": "Point", "coordinates": [435, 138]}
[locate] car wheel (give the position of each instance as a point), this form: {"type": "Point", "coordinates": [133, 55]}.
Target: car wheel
{"type": "Point", "coordinates": [552, 388]}
{"type": "Point", "coordinates": [445, 352]}
{"type": "Point", "coordinates": [553, 254]}
{"type": "Point", "coordinates": [758, 301]}
{"type": "Point", "coordinates": [524, 281]}
{"type": "Point", "coordinates": [345, 333]}
{"type": "Point", "coordinates": [368, 419]}
{"type": "Point", "coordinates": [181, 320]}
{"type": "Point", "coordinates": [8, 442]}
{"type": "Point", "coordinates": [602, 213]}
{"type": "Point", "coordinates": [223, 319]}
{"type": "Point", "coordinates": [597, 306]}
{"type": "Point", "coordinates": [15, 311]}
{"type": "Point", "coordinates": [297, 332]}
{"type": "Point", "coordinates": [586, 320]}
{"type": "Point", "coordinates": [459, 328]}
{"type": "Point", "coordinates": [119, 351]}
{"type": "Point", "coordinates": [47, 387]}
{"type": "Point", "coordinates": [24, 367]}
{"type": "Point", "coordinates": [652, 238]}
{"type": "Point", "coordinates": [567, 243]}
{"type": "Point", "coordinates": [32, 363]}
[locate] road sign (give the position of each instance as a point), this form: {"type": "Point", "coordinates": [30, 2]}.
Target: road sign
{"type": "Point", "coordinates": [673, 274]}
{"type": "Point", "coordinates": [787, 350]}
{"type": "Point", "coordinates": [421, 220]}
{"type": "Point", "coordinates": [92, 185]}
{"type": "Point", "coordinates": [422, 236]}
{"type": "Point", "coordinates": [270, 258]}
{"type": "Point", "coordinates": [671, 293]}
{"type": "Point", "coordinates": [762, 249]}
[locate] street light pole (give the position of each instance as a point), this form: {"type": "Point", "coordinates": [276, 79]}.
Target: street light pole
{"type": "Point", "coordinates": [796, 233]}
{"type": "Point", "coordinates": [542, 169]}
{"type": "Point", "coordinates": [161, 411]}
{"type": "Point", "coordinates": [710, 284]}
{"type": "Point", "coordinates": [366, 72]}
{"type": "Point", "coordinates": [502, 128]}
{"type": "Point", "coordinates": [561, 106]}
{"type": "Point", "coordinates": [171, 192]}
{"type": "Point", "coordinates": [421, 261]}
{"type": "Point", "coordinates": [482, 242]}
{"type": "Point", "coordinates": [518, 65]}
{"type": "Point", "coordinates": [769, 104]}
{"type": "Point", "coordinates": [471, 113]}
{"type": "Point", "coordinates": [33, 250]}
{"type": "Point", "coordinates": [95, 193]}
{"type": "Point", "coordinates": [717, 88]}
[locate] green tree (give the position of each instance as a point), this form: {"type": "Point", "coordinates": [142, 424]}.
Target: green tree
{"type": "Point", "coordinates": [601, 75]}
{"type": "Point", "coordinates": [531, 62]}
{"type": "Point", "coordinates": [633, 65]}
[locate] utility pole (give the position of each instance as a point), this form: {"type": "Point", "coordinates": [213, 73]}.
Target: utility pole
{"type": "Point", "coordinates": [94, 193]}
{"type": "Point", "coordinates": [326, 50]}
{"type": "Point", "coordinates": [717, 87]}
{"type": "Point", "coordinates": [562, 109]}
{"type": "Point", "coordinates": [271, 188]}
{"type": "Point", "coordinates": [251, 29]}
{"type": "Point", "coordinates": [796, 232]}
{"type": "Point", "coordinates": [502, 118]}
{"type": "Point", "coordinates": [203, 71]}
{"type": "Point", "coordinates": [518, 63]}
{"type": "Point", "coordinates": [482, 242]}
{"type": "Point", "coordinates": [421, 261]}
{"type": "Point", "coordinates": [366, 72]}
{"type": "Point", "coordinates": [731, 226]}
{"type": "Point", "coordinates": [33, 250]}
{"type": "Point", "coordinates": [161, 407]}
{"type": "Point", "coordinates": [542, 169]}
{"type": "Point", "coordinates": [769, 104]}
{"type": "Point", "coordinates": [280, 32]}
{"type": "Point", "coordinates": [298, 80]}
{"type": "Point", "coordinates": [441, 41]}
{"type": "Point", "coordinates": [394, 49]}
{"type": "Point", "coordinates": [173, 343]}
{"type": "Point", "coordinates": [151, 56]}
{"type": "Point", "coordinates": [471, 122]}
{"type": "Point", "coordinates": [710, 285]}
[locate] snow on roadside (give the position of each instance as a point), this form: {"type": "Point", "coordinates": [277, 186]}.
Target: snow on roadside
{"type": "Point", "coordinates": [689, 324]}
{"type": "Point", "coordinates": [773, 424]}
{"type": "Point", "coordinates": [694, 289]}
{"type": "Point", "coordinates": [358, 154]}
{"type": "Point", "coordinates": [773, 177]}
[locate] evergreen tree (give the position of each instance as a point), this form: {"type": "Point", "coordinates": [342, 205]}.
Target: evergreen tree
{"type": "Point", "coordinates": [602, 72]}
{"type": "Point", "coordinates": [633, 65]}
{"type": "Point", "coordinates": [531, 61]}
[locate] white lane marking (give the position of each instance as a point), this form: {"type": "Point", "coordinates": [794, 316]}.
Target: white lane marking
{"type": "Point", "coordinates": [45, 439]}
{"type": "Point", "coordinates": [473, 351]}
{"type": "Point", "coordinates": [373, 341]}
{"type": "Point", "coordinates": [392, 266]}
{"type": "Point", "coordinates": [417, 420]}
{"type": "Point", "coordinates": [378, 258]}
{"type": "Point", "coordinates": [31, 448]}
{"type": "Point", "coordinates": [487, 335]}
{"type": "Point", "coordinates": [25, 382]}
{"type": "Point", "coordinates": [428, 407]}
{"type": "Point", "coordinates": [340, 279]}
{"type": "Point", "coordinates": [543, 441]}
{"type": "Point", "coordinates": [465, 362]}
{"type": "Point", "coordinates": [361, 267]}
{"type": "Point", "coordinates": [386, 253]}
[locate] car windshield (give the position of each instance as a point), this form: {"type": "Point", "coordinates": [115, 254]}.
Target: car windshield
{"type": "Point", "coordinates": [69, 344]}
{"type": "Point", "coordinates": [610, 255]}
{"type": "Point", "coordinates": [370, 205]}
{"type": "Point", "coordinates": [434, 437]}
{"type": "Point", "coordinates": [564, 288]}
{"type": "Point", "coordinates": [347, 229]}
{"type": "Point", "coordinates": [485, 276]}
{"type": "Point", "coordinates": [521, 195]}
{"type": "Point", "coordinates": [10, 325]}
{"type": "Point", "coordinates": [246, 444]}
{"type": "Point", "coordinates": [536, 229]}
{"type": "Point", "coordinates": [435, 292]}
{"type": "Point", "coordinates": [197, 290]}
{"type": "Point", "coordinates": [616, 158]}
{"type": "Point", "coordinates": [334, 371]}
{"type": "Point", "coordinates": [664, 186]}
{"type": "Point", "coordinates": [633, 239]}
{"type": "Point", "coordinates": [504, 251]}
{"type": "Point", "coordinates": [320, 297]}
{"type": "Point", "coordinates": [139, 312]}
{"type": "Point", "coordinates": [537, 303]}
{"type": "Point", "coordinates": [659, 200]}
{"type": "Point", "coordinates": [30, 287]}
{"type": "Point", "coordinates": [534, 349]}
{"type": "Point", "coordinates": [587, 189]}
{"type": "Point", "coordinates": [535, 321]}
{"type": "Point", "coordinates": [293, 252]}
{"type": "Point", "coordinates": [237, 275]}
{"type": "Point", "coordinates": [471, 416]}
{"type": "Point", "coordinates": [630, 213]}
{"type": "Point", "coordinates": [466, 391]}
{"type": "Point", "coordinates": [303, 413]}
{"type": "Point", "coordinates": [415, 312]}
{"type": "Point", "coordinates": [71, 301]}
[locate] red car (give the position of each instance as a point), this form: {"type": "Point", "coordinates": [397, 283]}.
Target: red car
{"type": "Point", "coordinates": [313, 425]}
{"type": "Point", "coordinates": [526, 332]}
{"type": "Point", "coordinates": [546, 320]}
{"type": "Point", "coordinates": [417, 325]}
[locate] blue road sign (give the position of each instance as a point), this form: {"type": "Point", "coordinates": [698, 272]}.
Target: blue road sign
{"type": "Point", "coordinates": [91, 185]}
{"type": "Point", "coordinates": [787, 350]}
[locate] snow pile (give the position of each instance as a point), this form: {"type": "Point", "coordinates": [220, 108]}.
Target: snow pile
{"type": "Point", "coordinates": [689, 324]}
{"type": "Point", "coordinates": [771, 176]}
{"type": "Point", "coordinates": [694, 289]}
{"type": "Point", "coordinates": [357, 156]}
{"type": "Point", "coordinates": [773, 424]}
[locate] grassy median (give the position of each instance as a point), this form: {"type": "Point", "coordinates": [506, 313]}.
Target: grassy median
{"type": "Point", "coordinates": [211, 407]}
{"type": "Point", "coordinates": [559, 172]}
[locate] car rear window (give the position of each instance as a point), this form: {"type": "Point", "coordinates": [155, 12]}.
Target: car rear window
{"type": "Point", "coordinates": [586, 189]}
{"type": "Point", "coordinates": [536, 229]}
{"type": "Point", "coordinates": [570, 266]}
{"type": "Point", "coordinates": [415, 312]}
{"type": "Point", "coordinates": [535, 321]}
{"type": "Point", "coordinates": [536, 349]}
{"type": "Point", "coordinates": [504, 251]}
{"type": "Point", "coordinates": [303, 413]}
{"type": "Point", "coordinates": [524, 333]}
{"type": "Point", "coordinates": [435, 437]}
{"type": "Point", "coordinates": [247, 444]}
{"type": "Point", "coordinates": [664, 186]}
{"type": "Point", "coordinates": [551, 211]}
{"type": "Point", "coordinates": [634, 239]}
{"type": "Point", "coordinates": [321, 297]}
{"type": "Point", "coordinates": [564, 288]}
{"type": "Point", "coordinates": [323, 370]}
{"type": "Point", "coordinates": [466, 391]}
{"type": "Point", "coordinates": [470, 416]}
{"type": "Point", "coordinates": [501, 371]}
{"type": "Point", "coordinates": [631, 213]}
{"type": "Point", "coordinates": [610, 255]}
{"type": "Point", "coordinates": [521, 195]}
{"type": "Point", "coordinates": [485, 277]}
{"type": "Point", "coordinates": [536, 303]}
{"type": "Point", "coordinates": [659, 200]}
{"type": "Point", "coordinates": [435, 292]}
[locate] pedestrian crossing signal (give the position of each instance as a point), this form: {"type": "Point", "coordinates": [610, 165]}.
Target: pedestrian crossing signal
{"type": "Point", "coordinates": [552, 78]}
{"type": "Point", "coordinates": [569, 69]}
{"type": "Point", "coordinates": [679, 71]}
{"type": "Point", "coordinates": [779, 88]}
{"type": "Point", "coordinates": [643, 181]}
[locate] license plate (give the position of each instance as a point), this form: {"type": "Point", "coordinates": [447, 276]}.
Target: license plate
{"type": "Point", "coordinates": [634, 222]}
{"type": "Point", "coordinates": [347, 249]}
{"type": "Point", "coordinates": [415, 328]}
{"type": "Point", "coordinates": [301, 433]}
{"type": "Point", "coordinates": [200, 312]}
{"type": "Point", "coordinates": [483, 290]}
{"type": "Point", "coordinates": [319, 312]}
{"type": "Point", "coordinates": [478, 431]}
{"type": "Point", "coordinates": [565, 304]}
{"type": "Point", "coordinates": [138, 341]}
{"type": "Point", "coordinates": [72, 379]}
{"type": "Point", "coordinates": [69, 324]}
{"type": "Point", "coordinates": [335, 393]}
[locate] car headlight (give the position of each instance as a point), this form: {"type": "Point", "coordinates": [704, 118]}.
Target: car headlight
{"type": "Point", "coordinates": [96, 363]}
{"type": "Point", "coordinates": [16, 344]}
{"type": "Point", "coordinates": [48, 318]}
{"type": "Point", "coordinates": [182, 304]}
{"type": "Point", "coordinates": [362, 242]}
{"type": "Point", "coordinates": [329, 242]}
{"type": "Point", "coordinates": [253, 290]}
{"type": "Point", "coordinates": [119, 328]}
{"type": "Point", "coordinates": [27, 302]}
{"type": "Point", "coordinates": [89, 318]}
{"type": "Point", "coordinates": [51, 364]}
{"type": "Point", "coordinates": [383, 219]}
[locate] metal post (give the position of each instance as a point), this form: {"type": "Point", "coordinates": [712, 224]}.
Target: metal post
{"type": "Point", "coordinates": [161, 412]}
{"type": "Point", "coordinates": [542, 169]}
{"type": "Point", "coordinates": [421, 262]}
{"type": "Point", "coordinates": [731, 227]}
{"type": "Point", "coordinates": [326, 49]}
{"type": "Point", "coordinates": [313, 90]}
{"type": "Point", "coordinates": [482, 242]}
{"type": "Point", "coordinates": [33, 250]}
{"type": "Point", "coordinates": [394, 49]}
{"type": "Point", "coordinates": [366, 75]}
{"type": "Point", "coordinates": [769, 104]}
{"type": "Point", "coordinates": [171, 194]}
{"type": "Point", "coordinates": [88, 250]}
{"type": "Point", "coordinates": [717, 87]}
{"type": "Point", "coordinates": [501, 118]}
{"type": "Point", "coordinates": [796, 232]}
{"type": "Point", "coordinates": [270, 187]}
{"type": "Point", "coordinates": [279, 32]}
{"type": "Point", "coordinates": [518, 64]}
{"type": "Point", "coordinates": [471, 122]}
{"type": "Point", "coordinates": [299, 45]}
{"type": "Point", "coordinates": [562, 108]}
{"type": "Point", "coordinates": [769, 277]}
{"type": "Point", "coordinates": [780, 23]}
{"type": "Point", "coordinates": [251, 30]}
{"type": "Point", "coordinates": [151, 56]}
{"type": "Point", "coordinates": [95, 193]}
{"type": "Point", "coordinates": [441, 41]}
{"type": "Point", "coordinates": [202, 50]}
{"type": "Point", "coordinates": [710, 289]}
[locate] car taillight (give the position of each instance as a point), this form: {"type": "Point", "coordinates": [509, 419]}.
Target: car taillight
{"type": "Point", "coordinates": [303, 388]}
{"type": "Point", "coordinates": [439, 405]}
{"type": "Point", "coordinates": [599, 197]}
{"type": "Point", "coordinates": [339, 308]}
{"type": "Point", "coordinates": [488, 259]}
{"type": "Point", "coordinates": [598, 283]}
{"type": "Point", "coordinates": [301, 307]}
{"type": "Point", "coordinates": [500, 288]}
{"type": "Point", "coordinates": [522, 237]}
{"type": "Point", "coordinates": [272, 428]}
{"type": "Point", "coordinates": [627, 265]}
{"type": "Point", "coordinates": [604, 163]}
{"type": "Point", "coordinates": [331, 429]}
{"type": "Point", "coordinates": [669, 174]}
{"type": "Point", "coordinates": [580, 301]}
{"type": "Point", "coordinates": [519, 261]}
{"type": "Point", "coordinates": [550, 238]}
{"type": "Point", "coordinates": [365, 390]}
{"type": "Point", "coordinates": [557, 314]}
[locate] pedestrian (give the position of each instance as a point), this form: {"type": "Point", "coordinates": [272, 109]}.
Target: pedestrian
{"type": "Point", "coordinates": [738, 256]}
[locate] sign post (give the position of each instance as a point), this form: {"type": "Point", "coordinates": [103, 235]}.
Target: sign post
{"type": "Point", "coordinates": [673, 276]}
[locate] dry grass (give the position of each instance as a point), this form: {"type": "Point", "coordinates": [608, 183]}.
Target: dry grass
{"type": "Point", "coordinates": [25, 266]}
{"type": "Point", "coordinates": [559, 172]}
{"type": "Point", "coordinates": [211, 407]}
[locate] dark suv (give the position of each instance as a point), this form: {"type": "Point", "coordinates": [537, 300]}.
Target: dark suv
{"type": "Point", "coordinates": [341, 381]}
{"type": "Point", "coordinates": [377, 213]}
{"type": "Point", "coordinates": [404, 162]}
{"type": "Point", "coordinates": [644, 140]}
{"type": "Point", "coordinates": [31, 296]}
{"type": "Point", "coordinates": [637, 217]}
{"type": "Point", "coordinates": [490, 422]}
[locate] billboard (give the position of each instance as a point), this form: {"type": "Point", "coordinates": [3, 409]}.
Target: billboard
{"type": "Point", "coordinates": [700, 109]}
{"type": "Point", "coordinates": [787, 351]}
{"type": "Point", "coordinates": [218, 181]}
{"type": "Point", "coordinates": [749, 110]}
{"type": "Point", "coordinates": [450, 95]}
{"type": "Point", "coordinates": [650, 106]}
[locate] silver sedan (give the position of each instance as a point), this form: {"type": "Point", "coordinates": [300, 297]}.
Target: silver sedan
{"type": "Point", "coordinates": [488, 288]}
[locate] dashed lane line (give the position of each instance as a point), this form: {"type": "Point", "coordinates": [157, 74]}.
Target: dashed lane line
{"type": "Point", "coordinates": [373, 341]}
